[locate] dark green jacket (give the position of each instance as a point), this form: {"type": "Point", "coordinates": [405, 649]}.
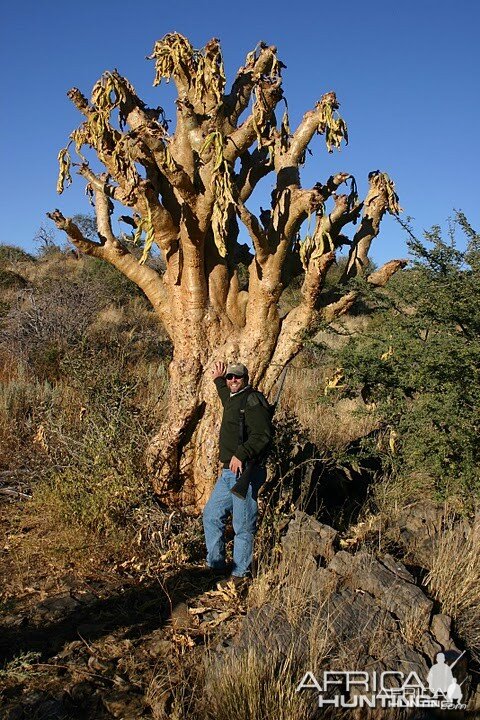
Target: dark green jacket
{"type": "Point", "coordinates": [258, 424]}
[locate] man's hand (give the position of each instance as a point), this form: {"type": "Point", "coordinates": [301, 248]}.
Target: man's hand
{"type": "Point", "coordinates": [219, 370]}
{"type": "Point", "coordinates": [235, 465]}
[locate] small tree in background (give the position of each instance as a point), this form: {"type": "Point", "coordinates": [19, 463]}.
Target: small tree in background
{"type": "Point", "coordinates": [188, 191]}
{"type": "Point", "coordinates": [419, 363]}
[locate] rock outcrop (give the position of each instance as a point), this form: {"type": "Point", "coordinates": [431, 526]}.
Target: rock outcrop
{"type": "Point", "coordinates": [362, 611]}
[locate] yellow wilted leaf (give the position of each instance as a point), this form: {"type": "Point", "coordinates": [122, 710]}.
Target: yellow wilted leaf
{"type": "Point", "coordinates": [197, 611]}
{"type": "Point", "coordinates": [331, 124]}
{"type": "Point", "coordinates": [64, 170]}
{"type": "Point", "coordinates": [222, 187]}
{"type": "Point", "coordinates": [334, 381]}
{"type": "Point", "coordinates": [392, 441]}
{"type": "Point", "coordinates": [184, 641]}
{"type": "Point", "coordinates": [221, 618]}
{"type": "Point", "coordinates": [348, 543]}
{"type": "Point", "coordinates": [40, 438]}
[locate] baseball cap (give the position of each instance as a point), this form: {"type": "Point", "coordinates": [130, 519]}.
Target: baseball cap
{"type": "Point", "coordinates": [237, 369]}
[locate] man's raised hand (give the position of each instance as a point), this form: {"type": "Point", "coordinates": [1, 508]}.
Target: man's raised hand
{"type": "Point", "coordinates": [219, 370]}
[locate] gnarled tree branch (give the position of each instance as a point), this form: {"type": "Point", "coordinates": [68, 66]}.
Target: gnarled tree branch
{"type": "Point", "coordinates": [242, 137]}
{"type": "Point", "coordinates": [313, 121]}
{"type": "Point", "coordinates": [257, 234]}
{"type": "Point", "coordinates": [239, 97]}
{"type": "Point", "coordinates": [380, 198]}
{"type": "Point", "coordinates": [145, 277]}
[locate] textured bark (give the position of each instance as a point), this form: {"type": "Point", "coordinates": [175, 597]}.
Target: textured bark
{"type": "Point", "coordinates": [188, 201]}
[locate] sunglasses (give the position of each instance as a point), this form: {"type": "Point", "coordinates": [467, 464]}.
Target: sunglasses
{"type": "Point", "coordinates": [230, 376]}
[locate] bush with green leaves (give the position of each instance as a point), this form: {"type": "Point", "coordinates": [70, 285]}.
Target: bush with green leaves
{"type": "Point", "coordinates": [418, 364]}
{"type": "Point", "coordinates": [120, 288]}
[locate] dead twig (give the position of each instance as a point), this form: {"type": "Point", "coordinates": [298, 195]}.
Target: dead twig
{"type": "Point", "coordinates": [16, 493]}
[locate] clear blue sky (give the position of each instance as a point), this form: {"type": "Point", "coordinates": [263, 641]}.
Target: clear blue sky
{"type": "Point", "coordinates": [406, 74]}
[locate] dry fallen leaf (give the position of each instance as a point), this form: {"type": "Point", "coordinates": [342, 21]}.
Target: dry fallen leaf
{"type": "Point", "coordinates": [183, 640]}
{"type": "Point", "coordinates": [221, 618]}
{"type": "Point", "coordinates": [197, 611]}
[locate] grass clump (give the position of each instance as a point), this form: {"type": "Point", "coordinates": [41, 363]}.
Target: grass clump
{"type": "Point", "coordinates": [252, 686]}
{"type": "Point", "coordinates": [454, 578]}
{"type": "Point", "coordinates": [83, 369]}
{"type": "Point", "coordinates": [13, 254]}
{"type": "Point", "coordinates": [96, 475]}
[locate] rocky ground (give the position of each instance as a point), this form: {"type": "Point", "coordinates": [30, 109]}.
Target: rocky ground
{"type": "Point", "coordinates": [112, 643]}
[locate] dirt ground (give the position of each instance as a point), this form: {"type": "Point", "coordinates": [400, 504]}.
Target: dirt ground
{"type": "Point", "coordinates": [89, 637]}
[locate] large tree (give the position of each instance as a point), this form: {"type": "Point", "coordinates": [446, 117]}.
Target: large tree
{"type": "Point", "coordinates": [189, 190]}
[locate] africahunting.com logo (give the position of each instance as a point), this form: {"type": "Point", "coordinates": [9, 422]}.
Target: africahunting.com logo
{"type": "Point", "coordinates": [387, 689]}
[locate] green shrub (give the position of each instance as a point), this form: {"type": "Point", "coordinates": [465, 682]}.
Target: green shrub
{"type": "Point", "coordinates": [10, 279]}
{"type": "Point", "coordinates": [98, 272]}
{"type": "Point", "coordinates": [418, 365]}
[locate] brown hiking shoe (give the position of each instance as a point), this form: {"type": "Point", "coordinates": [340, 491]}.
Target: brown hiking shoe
{"type": "Point", "coordinates": [232, 581]}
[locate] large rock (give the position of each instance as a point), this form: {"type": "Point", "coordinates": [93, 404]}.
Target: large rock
{"type": "Point", "coordinates": [359, 611]}
{"type": "Point", "coordinates": [416, 528]}
{"type": "Point", "coordinates": [305, 534]}
{"type": "Point", "coordinates": [393, 591]}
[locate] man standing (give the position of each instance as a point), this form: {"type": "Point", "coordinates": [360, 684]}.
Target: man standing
{"type": "Point", "coordinates": [240, 442]}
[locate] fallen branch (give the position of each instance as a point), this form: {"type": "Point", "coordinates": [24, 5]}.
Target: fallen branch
{"type": "Point", "coordinates": [16, 493]}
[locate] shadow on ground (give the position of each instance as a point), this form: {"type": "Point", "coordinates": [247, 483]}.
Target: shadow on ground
{"type": "Point", "coordinates": [140, 610]}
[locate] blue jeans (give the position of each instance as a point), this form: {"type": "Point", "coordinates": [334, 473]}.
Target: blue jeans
{"type": "Point", "coordinates": [244, 516]}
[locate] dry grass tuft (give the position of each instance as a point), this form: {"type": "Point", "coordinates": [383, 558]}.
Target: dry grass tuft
{"type": "Point", "coordinates": [175, 688]}
{"type": "Point", "coordinates": [394, 492]}
{"type": "Point", "coordinates": [331, 426]}
{"type": "Point", "coordinates": [251, 686]}
{"type": "Point", "coordinates": [454, 579]}
{"type": "Point", "coordinates": [254, 684]}
{"type": "Point", "coordinates": [412, 626]}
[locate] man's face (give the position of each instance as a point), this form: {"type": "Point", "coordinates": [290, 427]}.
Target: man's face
{"type": "Point", "coordinates": [235, 382]}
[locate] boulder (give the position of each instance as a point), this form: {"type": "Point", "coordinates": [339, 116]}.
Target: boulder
{"type": "Point", "coordinates": [360, 611]}
{"type": "Point", "coordinates": [305, 533]}
{"type": "Point", "coordinates": [392, 591]}
{"type": "Point", "coordinates": [415, 527]}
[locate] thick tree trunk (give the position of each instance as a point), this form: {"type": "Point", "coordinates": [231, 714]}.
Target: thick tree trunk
{"type": "Point", "coordinates": [183, 456]}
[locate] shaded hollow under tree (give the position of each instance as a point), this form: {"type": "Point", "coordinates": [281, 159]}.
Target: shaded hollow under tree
{"type": "Point", "coordinates": [188, 192]}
